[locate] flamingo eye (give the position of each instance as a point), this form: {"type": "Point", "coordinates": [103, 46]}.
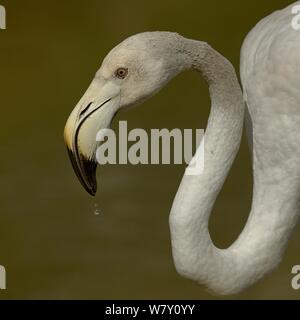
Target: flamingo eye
{"type": "Point", "coordinates": [121, 73]}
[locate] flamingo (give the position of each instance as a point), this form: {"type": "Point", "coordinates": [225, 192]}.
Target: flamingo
{"type": "Point", "coordinates": [270, 102]}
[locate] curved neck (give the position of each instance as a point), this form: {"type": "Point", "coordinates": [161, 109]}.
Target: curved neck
{"type": "Point", "coordinates": [254, 253]}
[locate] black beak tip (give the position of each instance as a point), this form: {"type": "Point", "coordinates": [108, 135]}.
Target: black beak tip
{"type": "Point", "coordinates": [85, 170]}
{"type": "Point", "coordinates": [92, 190]}
{"type": "Point", "coordinates": [88, 172]}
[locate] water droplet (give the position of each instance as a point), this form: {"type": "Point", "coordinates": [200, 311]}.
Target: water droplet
{"type": "Point", "coordinates": [96, 211]}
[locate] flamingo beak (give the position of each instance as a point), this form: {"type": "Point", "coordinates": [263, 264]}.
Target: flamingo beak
{"type": "Point", "coordinates": [94, 112]}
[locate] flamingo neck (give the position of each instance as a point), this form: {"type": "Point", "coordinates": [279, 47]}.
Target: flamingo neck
{"type": "Point", "coordinates": [258, 249]}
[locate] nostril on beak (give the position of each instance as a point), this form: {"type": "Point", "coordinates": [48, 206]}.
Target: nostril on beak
{"type": "Point", "coordinates": [85, 109]}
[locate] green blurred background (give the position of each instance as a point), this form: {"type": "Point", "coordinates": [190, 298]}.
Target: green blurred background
{"type": "Point", "coordinates": [51, 242]}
